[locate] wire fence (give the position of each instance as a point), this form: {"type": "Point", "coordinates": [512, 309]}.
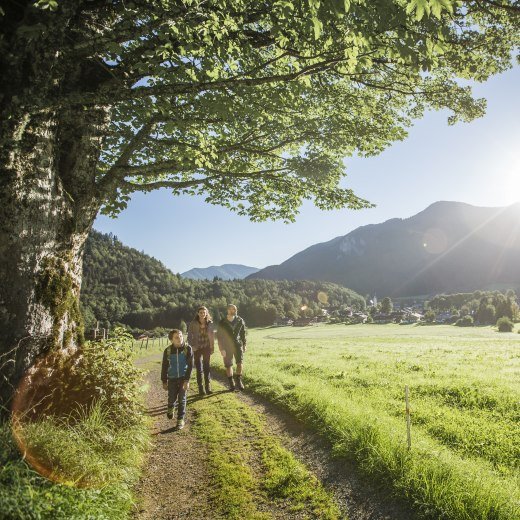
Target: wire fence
{"type": "Point", "coordinates": [148, 343]}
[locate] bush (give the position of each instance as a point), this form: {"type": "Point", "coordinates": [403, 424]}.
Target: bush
{"type": "Point", "coordinates": [77, 421]}
{"type": "Point", "coordinates": [64, 382]}
{"type": "Point", "coordinates": [504, 324]}
{"type": "Point", "coordinates": [466, 321]}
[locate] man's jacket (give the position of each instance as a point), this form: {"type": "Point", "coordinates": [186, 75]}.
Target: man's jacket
{"type": "Point", "coordinates": [231, 335]}
{"type": "Point", "coordinates": [177, 362]}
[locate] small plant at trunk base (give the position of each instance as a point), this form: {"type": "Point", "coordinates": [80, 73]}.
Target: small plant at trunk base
{"type": "Point", "coordinates": [504, 324]}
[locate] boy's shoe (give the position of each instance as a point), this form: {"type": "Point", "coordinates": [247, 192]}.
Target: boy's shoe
{"type": "Point", "coordinates": [208, 388]}
{"type": "Point", "coordinates": [180, 424]}
{"type": "Point", "coordinates": [169, 413]}
{"type": "Point", "coordinates": [240, 384]}
{"type": "Point", "coordinates": [231, 384]}
{"type": "Point", "coordinates": [201, 390]}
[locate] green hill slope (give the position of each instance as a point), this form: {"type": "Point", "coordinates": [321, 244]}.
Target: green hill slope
{"type": "Point", "coordinates": [123, 285]}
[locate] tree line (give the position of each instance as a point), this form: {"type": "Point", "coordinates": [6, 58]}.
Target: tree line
{"type": "Point", "coordinates": [484, 307]}
{"type": "Point", "coordinates": [123, 285]}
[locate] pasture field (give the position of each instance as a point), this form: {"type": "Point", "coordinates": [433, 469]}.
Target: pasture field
{"type": "Point", "coordinates": [348, 383]}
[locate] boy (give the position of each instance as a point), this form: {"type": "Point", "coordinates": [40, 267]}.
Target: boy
{"type": "Point", "coordinates": [176, 369]}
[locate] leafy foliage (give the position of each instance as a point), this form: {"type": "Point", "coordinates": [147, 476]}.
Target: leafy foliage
{"type": "Point", "coordinates": [255, 105]}
{"type": "Point", "coordinates": [63, 383]}
{"type": "Point", "coordinates": [465, 321]}
{"type": "Point", "coordinates": [386, 305]}
{"type": "Point", "coordinates": [126, 286]}
{"type": "Point", "coordinates": [504, 324]}
{"type": "Point", "coordinates": [486, 306]}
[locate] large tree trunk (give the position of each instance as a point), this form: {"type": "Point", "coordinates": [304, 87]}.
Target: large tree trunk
{"type": "Point", "coordinates": [47, 207]}
{"type": "Point", "coordinates": [48, 195]}
{"type": "Point", "coordinates": [48, 200]}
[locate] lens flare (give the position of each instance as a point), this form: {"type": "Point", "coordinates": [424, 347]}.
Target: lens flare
{"type": "Point", "coordinates": [323, 297]}
{"type": "Point", "coordinates": [435, 241]}
{"type": "Point", "coordinates": [36, 397]}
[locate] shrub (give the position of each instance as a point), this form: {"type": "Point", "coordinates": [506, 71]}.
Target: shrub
{"type": "Point", "coordinates": [429, 316]}
{"type": "Point", "coordinates": [504, 324]}
{"type": "Point", "coordinates": [64, 382]}
{"type": "Point", "coordinates": [466, 321]}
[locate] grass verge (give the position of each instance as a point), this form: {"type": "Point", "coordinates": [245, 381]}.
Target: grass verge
{"type": "Point", "coordinates": [91, 465]}
{"type": "Point", "coordinates": [347, 383]}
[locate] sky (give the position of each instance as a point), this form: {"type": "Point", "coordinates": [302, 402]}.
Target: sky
{"type": "Point", "coordinates": [477, 163]}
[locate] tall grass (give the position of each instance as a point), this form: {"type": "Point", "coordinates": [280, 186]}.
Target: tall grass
{"type": "Point", "coordinates": [88, 467]}
{"type": "Point", "coordinates": [86, 449]}
{"type": "Point", "coordinates": [68, 460]}
{"type": "Point", "coordinates": [347, 382]}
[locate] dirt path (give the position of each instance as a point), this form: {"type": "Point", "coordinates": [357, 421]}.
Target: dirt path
{"type": "Point", "coordinates": [175, 484]}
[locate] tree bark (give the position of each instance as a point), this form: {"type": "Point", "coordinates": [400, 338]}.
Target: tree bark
{"type": "Point", "coordinates": [48, 193]}
{"type": "Point", "coordinates": [47, 206]}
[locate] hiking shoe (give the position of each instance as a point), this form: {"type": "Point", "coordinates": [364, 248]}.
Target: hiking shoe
{"type": "Point", "coordinates": [180, 424]}
{"type": "Point", "coordinates": [169, 413]}
{"type": "Point", "coordinates": [201, 390]}
{"type": "Point", "coordinates": [231, 384]}
{"type": "Point", "coordinates": [240, 384]}
{"type": "Point", "coordinates": [208, 389]}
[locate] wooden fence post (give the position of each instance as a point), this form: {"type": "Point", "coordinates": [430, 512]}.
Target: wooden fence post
{"type": "Point", "coordinates": [408, 422]}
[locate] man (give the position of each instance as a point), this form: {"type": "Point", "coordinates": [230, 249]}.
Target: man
{"type": "Point", "coordinates": [231, 336]}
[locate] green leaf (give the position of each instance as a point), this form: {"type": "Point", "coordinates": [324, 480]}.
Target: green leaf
{"type": "Point", "coordinates": [318, 27]}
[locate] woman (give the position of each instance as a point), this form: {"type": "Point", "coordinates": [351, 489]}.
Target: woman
{"type": "Point", "coordinates": [201, 337]}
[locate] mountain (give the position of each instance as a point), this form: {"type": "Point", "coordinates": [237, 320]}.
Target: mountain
{"type": "Point", "coordinates": [224, 272]}
{"type": "Point", "coordinates": [123, 285]}
{"type": "Point", "coordinates": [448, 247]}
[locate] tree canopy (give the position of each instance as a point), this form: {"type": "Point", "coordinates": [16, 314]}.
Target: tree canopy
{"type": "Point", "coordinates": [256, 104]}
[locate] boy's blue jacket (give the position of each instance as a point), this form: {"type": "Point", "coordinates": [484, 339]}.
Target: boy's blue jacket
{"type": "Point", "coordinates": [177, 362]}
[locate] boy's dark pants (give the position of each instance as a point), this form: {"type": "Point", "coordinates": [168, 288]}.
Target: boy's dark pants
{"type": "Point", "coordinates": [201, 359]}
{"type": "Point", "coordinates": [176, 392]}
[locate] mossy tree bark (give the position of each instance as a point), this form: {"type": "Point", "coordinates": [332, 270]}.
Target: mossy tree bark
{"type": "Point", "coordinates": [48, 201]}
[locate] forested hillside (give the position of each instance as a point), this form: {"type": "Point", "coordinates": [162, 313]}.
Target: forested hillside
{"type": "Point", "coordinates": [123, 285]}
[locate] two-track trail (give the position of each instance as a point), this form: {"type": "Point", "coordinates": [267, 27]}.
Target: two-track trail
{"type": "Point", "coordinates": [175, 482]}
{"type": "Point", "coordinates": [240, 456]}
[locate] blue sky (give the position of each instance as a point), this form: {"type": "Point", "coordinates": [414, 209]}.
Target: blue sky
{"type": "Point", "coordinates": [477, 163]}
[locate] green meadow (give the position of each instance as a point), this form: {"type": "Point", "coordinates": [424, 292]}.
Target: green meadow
{"type": "Point", "coordinates": [348, 383]}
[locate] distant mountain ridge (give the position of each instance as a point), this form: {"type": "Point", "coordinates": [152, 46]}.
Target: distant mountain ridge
{"type": "Point", "coordinates": [448, 247]}
{"type": "Point", "coordinates": [224, 272]}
